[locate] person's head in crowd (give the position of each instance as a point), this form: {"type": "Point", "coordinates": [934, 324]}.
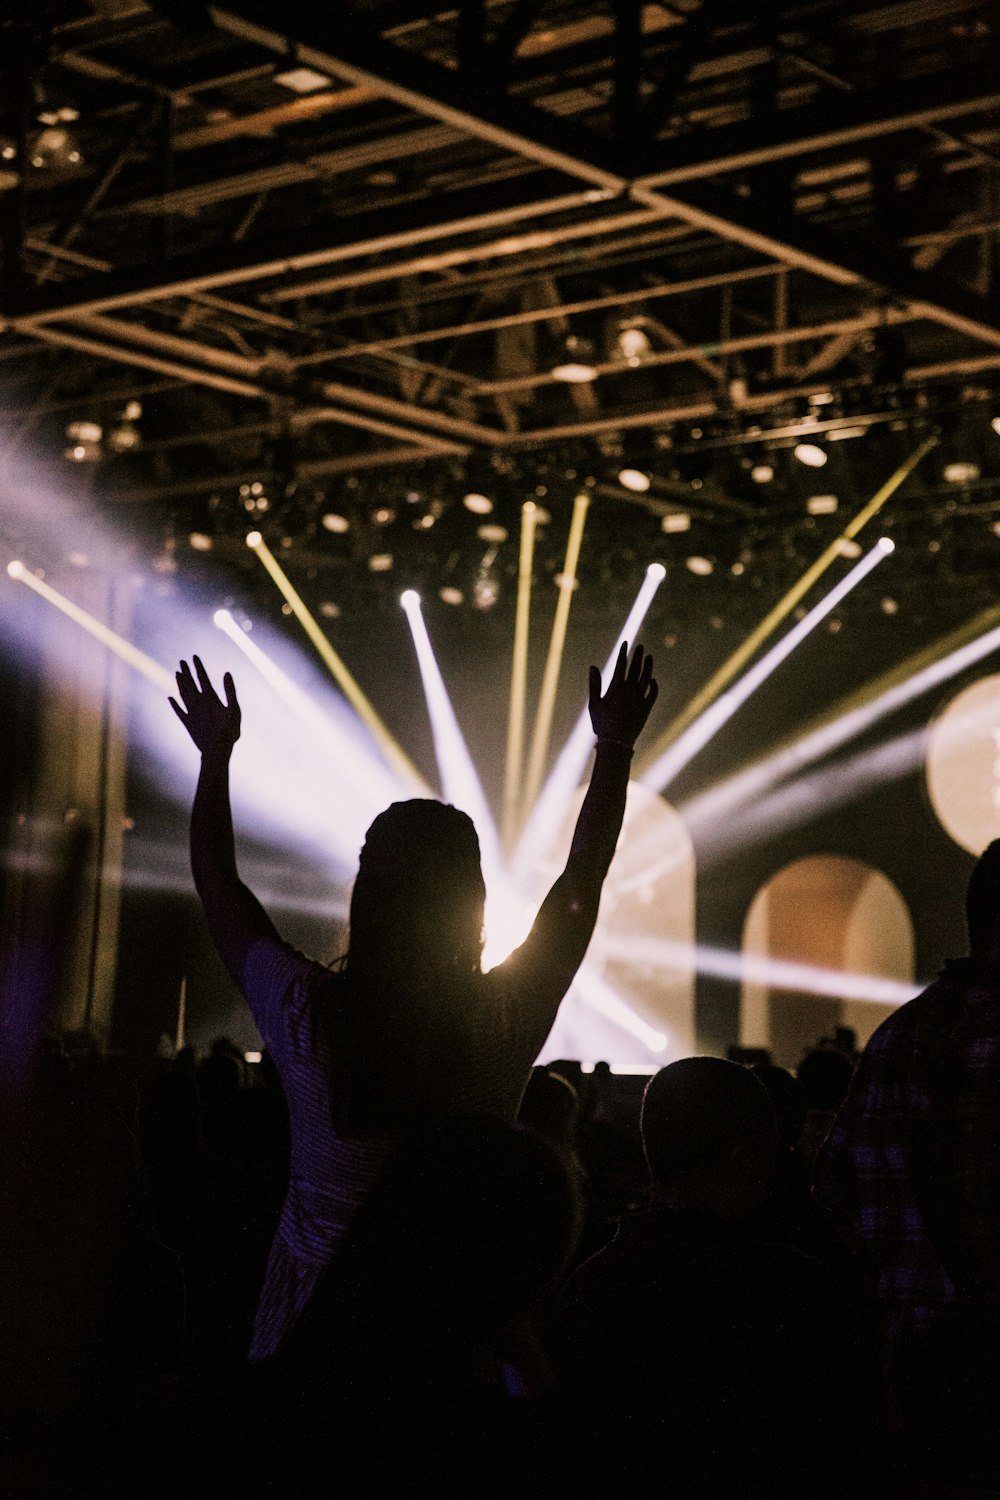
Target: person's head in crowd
{"type": "Point", "coordinates": [710, 1137]}
{"type": "Point", "coordinates": [982, 905]}
{"type": "Point", "coordinates": [825, 1075]}
{"type": "Point", "coordinates": [550, 1106]}
{"type": "Point", "coordinates": [788, 1098]}
{"type": "Point", "coordinates": [418, 901]}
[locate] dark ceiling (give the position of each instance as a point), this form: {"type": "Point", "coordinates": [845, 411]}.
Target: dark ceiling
{"type": "Point", "coordinates": [755, 225]}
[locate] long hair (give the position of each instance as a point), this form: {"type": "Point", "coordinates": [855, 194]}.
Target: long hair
{"type": "Point", "coordinates": [401, 1023]}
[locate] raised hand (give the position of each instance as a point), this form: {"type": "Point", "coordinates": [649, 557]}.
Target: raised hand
{"type": "Point", "coordinates": [213, 725]}
{"type": "Point", "coordinates": [620, 714]}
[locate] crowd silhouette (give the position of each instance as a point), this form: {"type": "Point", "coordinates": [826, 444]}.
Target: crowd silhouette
{"type": "Point", "coordinates": [393, 1256]}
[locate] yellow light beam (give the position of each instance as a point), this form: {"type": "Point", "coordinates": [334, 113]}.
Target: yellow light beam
{"type": "Point", "coordinates": [392, 751]}
{"type": "Point", "coordinates": [870, 691]}
{"type": "Point", "coordinates": [734, 663]}
{"type": "Point", "coordinates": [519, 674]}
{"type": "Point", "coordinates": [553, 662]}
{"type": "Point", "coordinates": [121, 647]}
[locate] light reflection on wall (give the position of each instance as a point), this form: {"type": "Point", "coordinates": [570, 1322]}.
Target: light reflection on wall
{"type": "Point", "coordinates": [963, 765]}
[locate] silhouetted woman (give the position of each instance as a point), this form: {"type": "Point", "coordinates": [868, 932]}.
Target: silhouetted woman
{"type": "Point", "coordinates": [409, 1025]}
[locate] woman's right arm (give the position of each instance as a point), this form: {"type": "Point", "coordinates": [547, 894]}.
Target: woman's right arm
{"type": "Point", "coordinates": [236, 920]}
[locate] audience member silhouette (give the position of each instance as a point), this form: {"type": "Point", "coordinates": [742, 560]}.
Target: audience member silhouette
{"type": "Point", "coordinates": [688, 1336]}
{"type": "Point", "coordinates": [910, 1173]}
{"type": "Point", "coordinates": [409, 1024]}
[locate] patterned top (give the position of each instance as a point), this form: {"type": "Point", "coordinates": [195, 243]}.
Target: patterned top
{"type": "Point", "coordinates": [331, 1174]}
{"type": "Point", "coordinates": [910, 1172]}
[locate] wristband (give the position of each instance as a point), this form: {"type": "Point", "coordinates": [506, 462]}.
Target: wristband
{"type": "Point", "coordinates": [605, 739]}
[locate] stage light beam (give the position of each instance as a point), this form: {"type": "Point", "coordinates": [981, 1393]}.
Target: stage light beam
{"type": "Point", "coordinates": [392, 751]}
{"type": "Point", "coordinates": [519, 675]}
{"type": "Point", "coordinates": [122, 648]}
{"type": "Point", "coordinates": [851, 717]}
{"type": "Point", "coordinates": [735, 663]}
{"type": "Point", "coordinates": [553, 662]}
{"type": "Point", "coordinates": [459, 780]}
{"type": "Point", "coordinates": [549, 810]}
{"type": "Point", "coordinates": [663, 771]}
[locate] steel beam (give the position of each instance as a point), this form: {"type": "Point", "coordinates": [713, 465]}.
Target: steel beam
{"type": "Point", "coordinates": [367, 236]}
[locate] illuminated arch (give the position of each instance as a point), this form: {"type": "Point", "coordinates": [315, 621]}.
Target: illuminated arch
{"type": "Point", "coordinates": [834, 913]}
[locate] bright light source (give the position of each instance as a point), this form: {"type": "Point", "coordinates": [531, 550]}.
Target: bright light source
{"type": "Point", "coordinates": [821, 505]}
{"type": "Point", "coordinates": [123, 438]}
{"type": "Point", "coordinates": [886, 544]}
{"type": "Point", "coordinates": [961, 473]}
{"type": "Point", "coordinates": [821, 398]}
{"type": "Point", "coordinates": [677, 520]}
{"type": "Point", "coordinates": [380, 562]}
{"type": "Point", "coordinates": [995, 424]}
{"type": "Point", "coordinates": [329, 610]}
{"type": "Point", "coordinates": [200, 541]}
{"type": "Point", "coordinates": [633, 343]}
{"type": "Point", "coordinates": [700, 566]}
{"type": "Point", "coordinates": [223, 619]}
{"type": "Point", "coordinates": [889, 606]}
{"type": "Point", "coordinates": [302, 80]}
{"type": "Point", "coordinates": [634, 479]}
{"type": "Point", "coordinates": [335, 523]}
{"type": "Point", "coordinates": [810, 454]}
{"type": "Point", "coordinates": [491, 532]}
{"type": "Point", "coordinates": [252, 1057]}
{"type": "Point", "coordinates": [410, 599]}
{"type": "Point", "coordinates": [762, 473]}
{"type": "Point", "coordinates": [254, 538]}
{"type": "Point", "coordinates": [15, 568]}
{"type": "Point", "coordinates": [133, 411]}
{"type": "Point", "coordinates": [574, 373]}
{"type": "Point", "coordinates": [85, 432]}
{"type": "Point", "coordinates": [657, 572]}
{"type": "Point", "coordinates": [479, 504]}
{"type": "Point", "coordinates": [451, 595]}
{"type": "Point", "coordinates": [846, 547]}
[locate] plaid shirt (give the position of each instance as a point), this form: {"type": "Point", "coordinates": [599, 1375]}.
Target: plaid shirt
{"type": "Point", "coordinates": [910, 1172]}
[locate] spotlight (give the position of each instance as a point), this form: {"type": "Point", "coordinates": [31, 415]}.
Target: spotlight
{"type": "Point", "coordinates": [200, 541]}
{"type": "Point", "coordinates": [491, 532]}
{"type": "Point", "coordinates": [383, 516]}
{"type": "Point", "coordinates": [676, 520]}
{"type": "Point", "coordinates": [486, 591]}
{"type": "Point", "coordinates": [329, 610]}
{"type": "Point", "coordinates": [302, 80]}
{"type": "Point", "coordinates": [575, 365]}
{"type": "Point", "coordinates": [480, 505]}
{"type": "Point", "coordinates": [636, 480]}
{"type": "Point", "coordinates": [961, 473]}
{"type": "Point", "coordinates": [656, 572]}
{"type": "Point", "coordinates": [889, 606]}
{"type": "Point", "coordinates": [85, 432]}
{"type": "Point", "coordinates": [451, 595]}
{"type": "Point", "coordinates": [995, 424]}
{"type": "Point", "coordinates": [810, 454]}
{"type": "Point", "coordinates": [133, 411]}
{"type": "Point", "coordinates": [15, 569]}
{"type": "Point", "coordinates": [335, 523]}
{"type": "Point", "coordinates": [700, 566]}
{"type": "Point", "coordinates": [409, 599]}
{"type": "Point", "coordinates": [886, 544]}
{"type": "Point", "coordinates": [254, 538]}
{"type": "Point", "coordinates": [633, 343]}
{"type": "Point", "coordinates": [821, 505]}
{"type": "Point", "coordinates": [380, 562]}
{"type": "Point", "coordinates": [762, 473]}
{"type": "Point", "coordinates": [222, 618]}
